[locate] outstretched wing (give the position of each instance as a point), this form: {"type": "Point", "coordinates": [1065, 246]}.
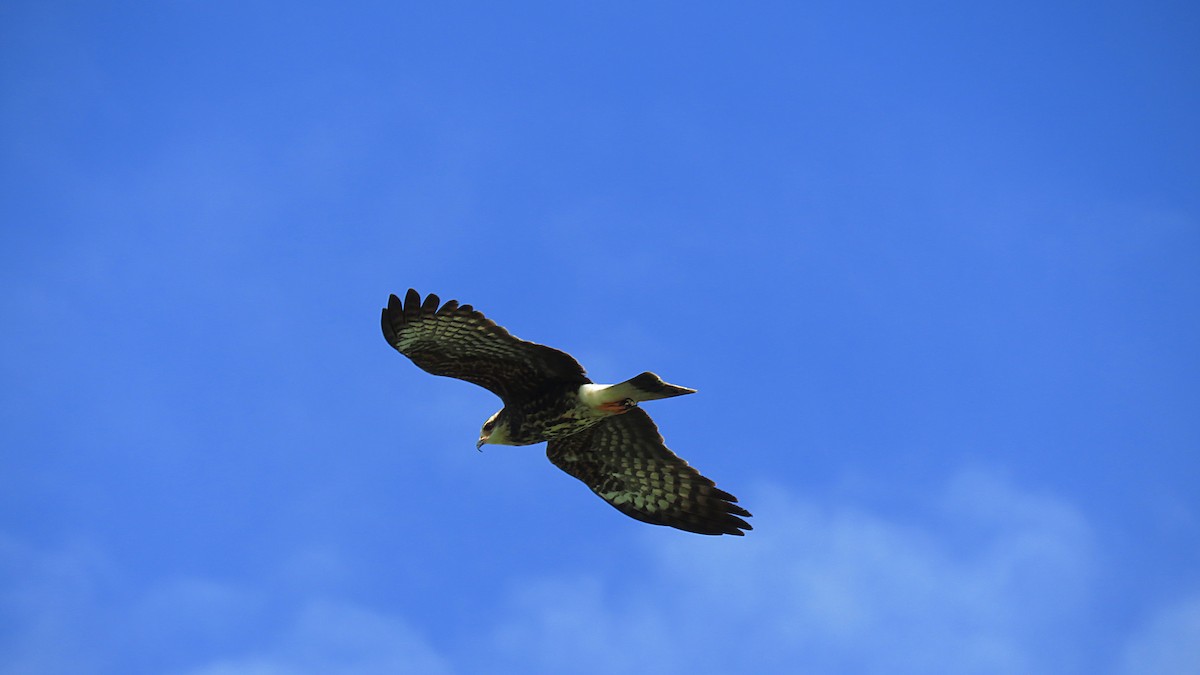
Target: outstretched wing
{"type": "Point", "coordinates": [623, 459]}
{"type": "Point", "coordinates": [457, 341]}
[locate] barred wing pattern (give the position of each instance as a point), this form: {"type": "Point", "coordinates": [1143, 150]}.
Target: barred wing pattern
{"type": "Point", "coordinates": [626, 463]}
{"type": "Point", "coordinates": [457, 341]}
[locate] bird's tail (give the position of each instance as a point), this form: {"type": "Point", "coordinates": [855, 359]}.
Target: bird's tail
{"type": "Point", "coordinates": [644, 387]}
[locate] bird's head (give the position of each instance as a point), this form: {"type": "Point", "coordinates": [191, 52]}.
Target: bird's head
{"type": "Point", "coordinates": [495, 431]}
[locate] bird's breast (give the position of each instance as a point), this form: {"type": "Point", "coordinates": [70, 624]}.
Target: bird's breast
{"type": "Point", "coordinates": [556, 415]}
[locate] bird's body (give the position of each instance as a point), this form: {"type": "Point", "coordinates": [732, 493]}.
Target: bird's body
{"type": "Point", "coordinates": [595, 432]}
{"type": "Point", "coordinates": [546, 415]}
{"type": "Point", "coordinates": [562, 410]}
{"type": "Point", "coordinates": [553, 413]}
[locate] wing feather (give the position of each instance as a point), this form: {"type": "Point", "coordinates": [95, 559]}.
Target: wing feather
{"type": "Point", "coordinates": [457, 341]}
{"type": "Point", "coordinates": [625, 461]}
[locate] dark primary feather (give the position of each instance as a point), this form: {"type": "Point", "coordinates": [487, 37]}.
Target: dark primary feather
{"type": "Point", "coordinates": [626, 463]}
{"type": "Point", "coordinates": [457, 341]}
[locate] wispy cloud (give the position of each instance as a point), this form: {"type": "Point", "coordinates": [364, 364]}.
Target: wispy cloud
{"type": "Point", "coordinates": [335, 638]}
{"type": "Point", "coordinates": [1169, 644]}
{"type": "Point", "coordinates": [988, 578]}
{"type": "Point", "coordinates": [47, 605]}
{"type": "Point", "coordinates": [995, 585]}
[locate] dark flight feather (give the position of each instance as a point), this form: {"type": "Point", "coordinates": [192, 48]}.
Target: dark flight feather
{"type": "Point", "coordinates": [625, 461]}
{"type": "Point", "coordinates": [460, 342]}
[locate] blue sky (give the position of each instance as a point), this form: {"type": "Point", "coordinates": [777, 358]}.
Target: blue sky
{"type": "Point", "coordinates": [934, 269]}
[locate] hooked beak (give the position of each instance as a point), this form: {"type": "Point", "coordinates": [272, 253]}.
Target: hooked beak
{"type": "Point", "coordinates": [479, 445]}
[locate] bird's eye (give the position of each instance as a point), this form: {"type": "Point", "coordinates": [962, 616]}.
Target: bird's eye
{"type": "Point", "coordinates": [489, 425]}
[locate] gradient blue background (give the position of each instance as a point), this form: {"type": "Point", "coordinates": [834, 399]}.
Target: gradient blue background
{"type": "Point", "coordinates": [934, 268]}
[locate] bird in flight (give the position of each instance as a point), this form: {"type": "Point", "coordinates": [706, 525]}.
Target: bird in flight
{"type": "Point", "coordinates": [595, 432]}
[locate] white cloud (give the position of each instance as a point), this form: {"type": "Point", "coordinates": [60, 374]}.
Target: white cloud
{"type": "Point", "coordinates": [980, 577]}
{"type": "Point", "coordinates": [71, 612]}
{"type": "Point", "coordinates": [330, 638]}
{"type": "Point", "coordinates": [1169, 644]}
{"type": "Point", "coordinates": [996, 585]}
{"type": "Point", "coordinates": [578, 625]}
{"type": "Point", "coordinates": [46, 601]}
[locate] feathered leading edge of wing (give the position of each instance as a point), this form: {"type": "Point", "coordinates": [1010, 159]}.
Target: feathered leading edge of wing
{"type": "Point", "coordinates": [457, 341]}
{"type": "Point", "coordinates": [626, 463]}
